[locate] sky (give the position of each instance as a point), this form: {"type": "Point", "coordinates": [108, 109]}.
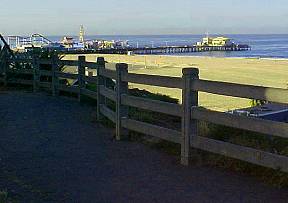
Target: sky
{"type": "Point", "coordinates": [141, 17]}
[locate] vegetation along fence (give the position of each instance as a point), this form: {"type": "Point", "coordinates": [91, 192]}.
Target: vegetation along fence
{"type": "Point", "coordinates": [188, 111]}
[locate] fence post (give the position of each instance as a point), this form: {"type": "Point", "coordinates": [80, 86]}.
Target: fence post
{"type": "Point", "coordinates": [100, 82]}
{"type": "Point", "coordinates": [55, 80]}
{"type": "Point", "coordinates": [36, 76]}
{"type": "Point", "coordinates": [5, 66]}
{"type": "Point", "coordinates": [189, 100]}
{"type": "Point", "coordinates": [121, 88]}
{"type": "Point", "coordinates": [81, 74]}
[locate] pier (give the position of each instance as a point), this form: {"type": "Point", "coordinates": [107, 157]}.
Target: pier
{"type": "Point", "coordinates": [163, 50]}
{"type": "Point", "coordinates": [110, 47]}
{"type": "Point", "coordinates": [188, 49]}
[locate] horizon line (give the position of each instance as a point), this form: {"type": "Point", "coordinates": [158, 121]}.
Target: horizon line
{"type": "Point", "coordinates": [57, 35]}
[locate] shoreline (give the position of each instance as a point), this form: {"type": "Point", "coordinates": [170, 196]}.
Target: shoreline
{"type": "Point", "coordinates": [234, 57]}
{"type": "Point", "coordinates": [190, 56]}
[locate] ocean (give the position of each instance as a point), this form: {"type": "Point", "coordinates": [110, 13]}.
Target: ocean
{"type": "Point", "coordinates": [262, 46]}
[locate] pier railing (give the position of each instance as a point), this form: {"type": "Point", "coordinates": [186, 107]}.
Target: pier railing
{"type": "Point", "coordinates": [189, 111]}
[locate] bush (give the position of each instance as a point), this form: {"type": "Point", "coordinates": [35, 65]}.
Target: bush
{"type": "Point", "coordinates": [3, 196]}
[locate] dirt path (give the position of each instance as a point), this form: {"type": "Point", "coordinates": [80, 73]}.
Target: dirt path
{"type": "Point", "coordinates": [52, 151]}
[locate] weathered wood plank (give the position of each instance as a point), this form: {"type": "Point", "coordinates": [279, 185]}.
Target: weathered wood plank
{"type": "Point", "coordinates": [189, 127]}
{"type": "Point", "coordinates": [91, 79]}
{"type": "Point", "coordinates": [241, 122]}
{"type": "Point", "coordinates": [1, 67]}
{"type": "Point", "coordinates": [36, 76]}
{"type": "Point", "coordinates": [243, 91]}
{"type": "Point", "coordinates": [242, 153]}
{"type": "Point", "coordinates": [21, 71]}
{"type": "Point", "coordinates": [2, 53]}
{"type": "Point", "coordinates": [45, 61]}
{"type": "Point", "coordinates": [111, 115]}
{"type": "Point", "coordinates": [5, 65]}
{"type": "Point", "coordinates": [81, 75]}
{"type": "Point", "coordinates": [55, 79]}
{"type": "Point", "coordinates": [66, 75]}
{"type": "Point", "coordinates": [89, 93]}
{"type": "Point", "coordinates": [68, 62]}
{"type": "Point", "coordinates": [107, 73]}
{"type": "Point", "coordinates": [121, 110]}
{"type": "Point", "coordinates": [20, 81]}
{"type": "Point", "coordinates": [45, 72]}
{"type": "Point", "coordinates": [92, 65]}
{"type": "Point", "coordinates": [100, 81]}
{"type": "Point", "coordinates": [155, 80]}
{"type": "Point", "coordinates": [110, 94]}
{"type": "Point", "coordinates": [45, 85]}
{"type": "Point", "coordinates": [20, 60]}
{"type": "Point", "coordinates": [152, 105]}
{"type": "Point", "coordinates": [153, 130]}
{"type": "Point", "coordinates": [66, 88]}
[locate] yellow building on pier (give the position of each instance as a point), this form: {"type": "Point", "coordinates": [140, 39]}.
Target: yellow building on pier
{"type": "Point", "coordinates": [215, 41]}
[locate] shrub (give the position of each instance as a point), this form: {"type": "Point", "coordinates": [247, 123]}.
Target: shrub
{"type": "Point", "coordinates": [3, 196]}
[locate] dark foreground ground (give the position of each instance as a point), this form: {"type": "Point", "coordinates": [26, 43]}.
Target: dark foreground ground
{"type": "Point", "coordinates": [51, 150]}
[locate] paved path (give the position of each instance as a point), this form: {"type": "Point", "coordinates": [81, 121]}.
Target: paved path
{"type": "Point", "coordinates": [52, 151]}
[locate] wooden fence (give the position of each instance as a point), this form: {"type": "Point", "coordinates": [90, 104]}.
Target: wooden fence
{"type": "Point", "coordinates": [189, 111]}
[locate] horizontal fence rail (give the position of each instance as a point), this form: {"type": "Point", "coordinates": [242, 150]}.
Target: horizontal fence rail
{"type": "Point", "coordinates": [66, 88]}
{"type": "Point", "coordinates": [68, 62]}
{"type": "Point", "coordinates": [91, 79]}
{"type": "Point", "coordinates": [152, 105]}
{"type": "Point", "coordinates": [21, 71]}
{"type": "Point", "coordinates": [91, 65]}
{"type": "Point", "coordinates": [155, 80]}
{"type": "Point", "coordinates": [89, 93]}
{"type": "Point", "coordinates": [66, 75]}
{"type": "Point", "coordinates": [107, 73]}
{"type": "Point", "coordinates": [20, 60]}
{"type": "Point", "coordinates": [20, 81]}
{"type": "Point", "coordinates": [108, 113]}
{"type": "Point", "coordinates": [189, 111]}
{"type": "Point", "coordinates": [108, 93]}
{"type": "Point", "coordinates": [153, 130]}
{"type": "Point", "coordinates": [45, 73]}
{"type": "Point", "coordinates": [45, 61]}
{"type": "Point", "coordinates": [242, 122]}
{"type": "Point", "coordinates": [243, 91]}
{"type": "Point", "coordinates": [242, 153]}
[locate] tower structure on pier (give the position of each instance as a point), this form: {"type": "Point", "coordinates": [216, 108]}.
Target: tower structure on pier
{"type": "Point", "coordinates": [81, 34]}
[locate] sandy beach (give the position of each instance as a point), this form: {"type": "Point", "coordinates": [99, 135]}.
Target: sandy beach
{"type": "Point", "coordinates": [253, 71]}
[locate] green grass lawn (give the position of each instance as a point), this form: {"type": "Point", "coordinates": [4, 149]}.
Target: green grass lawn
{"type": "Point", "coordinates": [269, 73]}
